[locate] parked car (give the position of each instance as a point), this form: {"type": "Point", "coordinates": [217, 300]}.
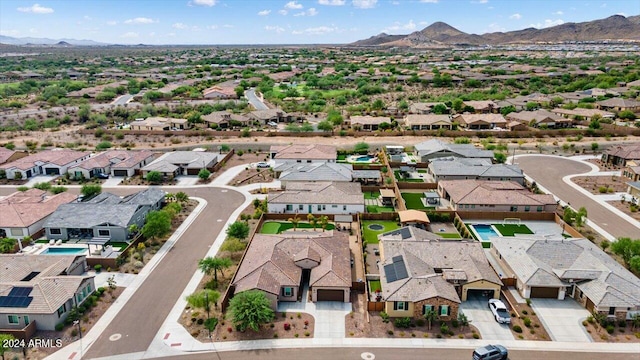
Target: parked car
{"type": "Point", "coordinates": [272, 124]}
{"type": "Point", "coordinates": [263, 164]}
{"type": "Point", "coordinates": [499, 311]}
{"type": "Point", "coordinates": [491, 352]}
{"type": "Point", "coordinates": [102, 176]}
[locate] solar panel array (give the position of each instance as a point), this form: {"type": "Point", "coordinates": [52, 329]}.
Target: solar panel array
{"type": "Point", "coordinates": [18, 298]}
{"type": "Point", "coordinates": [396, 270]}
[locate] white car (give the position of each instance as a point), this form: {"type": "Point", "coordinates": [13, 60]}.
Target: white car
{"type": "Point", "coordinates": [263, 165]}
{"type": "Point", "coordinates": [499, 311]}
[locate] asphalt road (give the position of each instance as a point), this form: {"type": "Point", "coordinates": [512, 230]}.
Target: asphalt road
{"type": "Point", "coordinates": [394, 354]}
{"type": "Point", "coordinates": [549, 171]}
{"type": "Point", "coordinates": [254, 100]}
{"type": "Point", "coordinates": [142, 316]}
{"type": "Point", "coordinates": [122, 99]}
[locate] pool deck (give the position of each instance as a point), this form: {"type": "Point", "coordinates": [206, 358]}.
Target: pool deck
{"type": "Point", "coordinates": [539, 228]}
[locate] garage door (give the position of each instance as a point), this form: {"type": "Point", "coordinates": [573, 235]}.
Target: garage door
{"type": "Point", "coordinates": [193, 171]}
{"type": "Point", "coordinates": [480, 293]}
{"type": "Point", "coordinates": [330, 295]}
{"type": "Point", "coordinates": [119, 172]}
{"type": "Point", "coordinates": [52, 171]}
{"type": "Point", "coordinates": [544, 292]}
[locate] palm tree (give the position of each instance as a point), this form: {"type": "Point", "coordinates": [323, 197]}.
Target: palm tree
{"type": "Point", "coordinates": [7, 245]}
{"type": "Point", "coordinates": [209, 264]}
{"type": "Point", "coordinates": [324, 221]}
{"type": "Point", "coordinates": [294, 221]}
{"type": "Point", "coordinates": [463, 320]}
{"type": "Point", "coordinates": [431, 316]}
{"type": "Point", "coordinates": [182, 196]}
{"type": "Point", "coordinates": [170, 197]}
{"type": "Point", "coordinates": [312, 221]}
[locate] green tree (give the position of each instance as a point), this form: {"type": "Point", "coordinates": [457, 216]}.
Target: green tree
{"type": "Point", "coordinates": [325, 126]}
{"type": "Point", "coordinates": [203, 299]}
{"type": "Point", "coordinates": [215, 264]}
{"type": "Point", "coordinates": [581, 216]}
{"type": "Point", "coordinates": [361, 148]}
{"type": "Point", "coordinates": [627, 249]}
{"type": "Point", "coordinates": [463, 320]}
{"type": "Point", "coordinates": [157, 224]}
{"type": "Point", "coordinates": [249, 309]}
{"type": "Point", "coordinates": [507, 110]}
{"type": "Point", "coordinates": [324, 221]}
{"type": "Point", "coordinates": [4, 340]}
{"type": "Point", "coordinates": [224, 148]}
{"type": "Point", "coordinates": [204, 174]}
{"type": "Point", "coordinates": [154, 177]}
{"type": "Point", "coordinates": [440, 109]}
{"type": "Point", "coordinates": [312, 221]}
{"type": "Point", "coordinates": [84, 113]}
{"type": "Point", "coordinates": [141, 246]}
{"type": "Point", "coordinates": [294, 221]}
{"type": "Point", "coordinates": [239, 91]}
{"type": "Point", "coordinates": [431, 316]}
{"type": "Point", "coordinates": [569, 215]}
{"type": "Point", "coordinates": [90, 190]}
{"type": "Point", "coordinates": [627, 115]}
{"type": "Point", "coordinates": [335, 117]}
{"type": "Point", "coordinates": [499, 157]}
{"type": "Point", "coordinates": [181, 196]}
{"type": "Point", "coordinates": [7, 245]}
{"type": "Point", "coordinates": [594, 146]}
{"type": "Point", "coordinates": [238, 230]}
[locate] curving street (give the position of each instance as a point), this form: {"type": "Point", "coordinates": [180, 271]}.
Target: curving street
{"type": "Point", "coordinates": [548, 171]}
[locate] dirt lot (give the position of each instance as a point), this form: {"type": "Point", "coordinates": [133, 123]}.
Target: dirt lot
{"type": "Point", "coordinates": [620, 334]}
{"type": "Point", "coordinates": [626, 208]}
{"type": "Point", "coordinates": [234, 160]}
{"type": "Point", "coordinates": [594, 183]}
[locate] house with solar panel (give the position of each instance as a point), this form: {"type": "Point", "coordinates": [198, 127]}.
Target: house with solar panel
{"type": "Point", "coordinates": [38, 291]}
{"type": "Point", "coordinates": [421, 272]}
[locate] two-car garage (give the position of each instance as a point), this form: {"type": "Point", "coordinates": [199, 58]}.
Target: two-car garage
{"type": "Point", "coordinates": [330, 295]}
{"type": "Point", "coordinates": [544, 292]}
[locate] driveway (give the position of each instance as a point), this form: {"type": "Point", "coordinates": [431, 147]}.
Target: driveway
{"type": "Point", "coordinates": [112, 181]}
{"type": "Point", "coordinates": [40, 179]}
{"type": "Point", "coordinates": [254, 100]}
{"type": "Point", "coordinates": [562, 319]}
{"type": "Point", "coordinates": [187, 180]}
{"type": "Point", "coordinates": [479, 315]}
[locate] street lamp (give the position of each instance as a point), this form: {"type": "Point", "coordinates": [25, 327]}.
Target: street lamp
{"type": "Point", "coordinates": [77, 322]}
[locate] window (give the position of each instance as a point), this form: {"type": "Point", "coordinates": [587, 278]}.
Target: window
{"type": "Point", "coordinates": [334, 206]}
{"type": "Point", "coordinates": [308, 161]}
{"type": "Point", "coordinates": [103, 232]}
{"type": "Point", "coordinates": [13, 319]}
{"type": "Point", "coordinates": [344, 207]}
{"type": "Point", "coordinates": [444, 310]}
{"type": "Point", "coordinates": [62, 309]}
{"type": "Point", "coordinates": [514, 208]}
{"type": "Point", "coordinates": [612, 311]}
{"type": "Point", "coordinates": [527, 208]}
{"type": "Point", "coordinates": [400, 305]}
{"type": "Point", "coordinates": [473, 206]}
{"type": "Point", "coordinates": [54, 231]}
{"type": "Point", "coordinates": [426, 309]}
{"type": "Point", "coordinates": [300, 207]}
{"type": "Point", "coordinates": [539, 209]}
{"type": "Point", "coordinates": [289, 207]}
{"type": "Point", "coordinates": [288, 291]}
{"type": "Point", "coordinates": [299, 161]}
{"type": "Point", "coordinates": [16, 232]}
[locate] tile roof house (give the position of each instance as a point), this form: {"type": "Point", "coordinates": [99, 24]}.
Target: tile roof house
{"type": "Point", "coordinates": [41, 289]}
{"type": "Point", "coordinates": [621, 154]}
{"type": "Point", "coordinates": [270, 115]}
{"type": "Point", "coordinates": [220, 92]}
{"type": "Point", "coordinates": [427, 122]}
{"type": "Point", "coordinates": [367, 122]}
{"type": "Point", "coordinates": [619, 104]}
{"type": "Point", "coordinates": [314, 172]}
{"type": "Point", "coordinates": [481, 121]}
{"type": "Point", "coordinates": [556, 268]}
{"type": "Point", "coordinates": [24, 213]}
{"type": "Point", "coordinates": [225, 119]}
{"type": "Point", "coordinates": [7, 155]}
{"type": "Point", "coordinates": [174, 163]}
{"type": "Point", "coordinates": [317, 198]}
{"type": "Point", "coordinates": [298, 153]}
{"type": "Point", "coordinates": [419, 272]}
{"type": "Point", "coordinates": [482, 107]}
{"type": "Point", "coordinates": [586, 114]}
{"type": "Point", "coordinates": [434, 148]}
{"type": "Point", "coordinates": [49, 162]}
{"type": "Point", "coordinates": [494, 196]}
{"type": "Point", "coordinates": [107, 217]}
{"type": "Point", "coordinates": [157, 123]}
{"type": "Point", "coordinates": [275, 265]}
{"type": "Point", "coordinates": [477, 169]}
{"type": "Point", "coordinates": [423, 108]}
{"type": "Point", "coordinates": [112, 162]}
{"type": "Point", "coordinates": [539, 118]}
{"type": "Point", "coordinates": [632, 170]}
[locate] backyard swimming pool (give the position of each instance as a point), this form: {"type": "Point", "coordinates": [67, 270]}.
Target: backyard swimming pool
{"type": "Point", "coordinates": [63, 251]}
{"type": "Point", "coordinates": [484, 231]}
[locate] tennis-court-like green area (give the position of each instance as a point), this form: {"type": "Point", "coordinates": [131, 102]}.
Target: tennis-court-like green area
{"type": "Point", "coordinates": [276, 227]}
{"type": "Point", "coordinates": [512, 229]}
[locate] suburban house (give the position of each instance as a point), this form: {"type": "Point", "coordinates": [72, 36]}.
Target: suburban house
{"type": "Point", "coordinates": [7, 155]}
{"type": "Point", "coordinates": [220, 92]}
{"type": "Point", "coordinates": [317, 198]}
{"type": "Point", "coordinates": [632, 170]}
{"type": "Point", "coordinates": [619, 104]}
{"type": "Point", "coordinates": [480, 121]}
{"type": "Point", "coordinates": [294, 153]}
{"type": "Point", "coordinates": [423, 108]}
{"type": "Point", "coordinates": [40, 290]}
{"type": "Point", "coordinates": [578, 268]}
{"type": "Point", "coordinates": [520, 102]}
{"type": "Point", "coordinates": [540, 118]}
{"type": "Point", "coordinates": [516, 126]}
{"type": "Point", "coordinates": [584, 114]}
{"type": "Point", "coordinates": [478, 169]}
{"type": "Point", "coordinates": [176, 163]}
{"type": "Point", "coordinates": [270, 115]}
{"type": "Point", "coordinates": [106, 217]}
{"type": "Point", "coordinates": [225, 120]}
{"type": "Point", "coordinates": [434, 148]}
{"type": "Point", "coordinates": [621, 154]}
{"type": "Point", "coordinates": [47, 162]}
{"type": "Point", "coordinates": [367, 122]}
{"type": "Point", "coordinates": [112, 162]}
{"type": "Point", "coordinates": [420, 272]}
{"type": "Point", "coordinates": [482, 107]}
{"type": "Point", "coordinates": [427, 122]}
{"type": "Point", "coordinates": [289, 172]}
{"type": "Point", "coordinates": [157, 123]}
{"type": "Point", "coordinates": [500, 196]}
{"type": "Point", "coordinates": [24, 213]}
{"type": "Point", "coordinates": [633, 189]}
{"type": "Point", "coordinates": [279, 265]}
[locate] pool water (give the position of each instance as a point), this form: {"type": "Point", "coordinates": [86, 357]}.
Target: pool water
{"type": "Point", "coordinates": [63, 251]}
{"type": "Point", "coordinates": [485, 231]}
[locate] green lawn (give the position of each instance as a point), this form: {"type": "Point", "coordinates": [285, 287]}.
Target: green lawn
{"type": "Point", "coordinates": [375, 209]}
{"type": "Point", "coordinates": [512, 229]}
{"type": "Point", "coordinates": [449, 235]}
{"type": "Point", "coordinates": [275, 227]}
{"type": "Point", "coordinates": [414, 201]}
{"type": "Point", "coordinates": [43, 241]}
{"type": "Point", "coordinates": [342, 157]}
{"type": "Point", "coordinates": [374, 285]}
{"type": "Point", "coordinates": [371, 195]}
{"type": "Point", "coordinates": [371, 236]}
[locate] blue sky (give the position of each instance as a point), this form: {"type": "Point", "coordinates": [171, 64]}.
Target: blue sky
{"type": "Point", "coordinates": [283, 21]}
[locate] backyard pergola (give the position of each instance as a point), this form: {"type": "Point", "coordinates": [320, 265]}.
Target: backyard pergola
{"type": "Point", "coordinates": [413, 217]}
{"type": "Point", "coordinates": [388, 196]}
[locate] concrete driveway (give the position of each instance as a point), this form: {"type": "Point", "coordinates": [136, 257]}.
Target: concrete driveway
{"type": "Point", "coordinates": [479, 315]}
{"type": "Point", "coordinates": [562, 319]}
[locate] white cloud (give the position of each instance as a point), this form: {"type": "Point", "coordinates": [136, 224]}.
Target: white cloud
{"type": "Point", "coordinates": [423, 23]}
{"type": "Point", "coordinates": [264, 12]}
{"type": "Point", "coordinates": [332, 2]}
{"type": "Point", "coordinates": [310, 12]}
{"type": "Point", "coordinates": [11, 32]}
{"type": "Point", "coordinates": [429, 1]}
{"type": "Point", "coordinates": [204, 2]}
{"type": "Point", "coordinates": [130, 35]}
{"type": "Point", "coordinates": [171, 34]}
{"type": "Point", "coordinates": [603, 5]}
{"type": "Point", "coordinates": [228, 26]}
{"type": "Point", "coordinates": [212, 27]}
{"type": "Point", "coordinates": [87, 17]}
{"type": "Point", "coordinates": [140, 20]}
{"type": "Point", "coordinates": [292, 5]}
{"type": "Point", "coordinates": [515, 16]}
{"type": "Point", "coordinates": [559, 12]}
{"type": "Point", "coordinates": [36, 9]}
{"type": "Point", "coordinates": [622, 14]}
{"type": "Point", "coordinates": [152, 34]}
{"type": "Point", "coordinates": [112, 23]}
{"type": "Point", "coordinates": [179, 26]}
{"type": "Point", "coordinates": [320, 30]}
{"type": "Point", "coordinates": [277, 29]}
{"type": "Point", "coordinates": [283, 12]}
{"type": "Point", "coordinates": [548, 23]}
{"type": "Point", "coordinates": [479, 1]}
{"type": "Point", "coordinates": [395, 3]}
{"type": "Point", "coordinates": [400, 28]}
{"type": "Point", "coordinates": [364, 4]}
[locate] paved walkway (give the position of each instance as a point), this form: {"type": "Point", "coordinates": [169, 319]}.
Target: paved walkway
{"type": "Point", "coordinates": [228, 175]}
{"type": "Point", "coordinates": [562, 319]}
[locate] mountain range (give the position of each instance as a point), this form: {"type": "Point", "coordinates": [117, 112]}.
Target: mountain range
{"type": "Point", "coordinates": [616, 27]}
{"type": "Point", "coordinates": [45, 41]}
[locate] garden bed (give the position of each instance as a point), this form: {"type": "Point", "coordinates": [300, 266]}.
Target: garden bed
{"type": "Point", "coordinates": [601, 184]}
{"type": "Point", "coordinates": [626, 208]}
{"type": "Point", "coordinates": [301, 325]}
{"type": "Point", "coordinates": [613, 333]}
{"type": "Point", "coordinates": [535, 329]}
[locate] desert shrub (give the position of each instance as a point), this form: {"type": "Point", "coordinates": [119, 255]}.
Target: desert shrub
{"type": "Point", "coordinates": [200, 321]}
{"type": "Point", "coordinates": [59, 327]}
{"type": "Point", "coordinates": [610, 329]}
{"type": "Point", "coordinates": [517, 329]}
{"type": "Point", "coordinates": [476, 336]}
{"type": "Point", "coordinates": [390, 332]}
{"type": "Point", "coordinates": [211, 323]}
{"type": "Point", "coordinates": [444, 329]}
{"type": "Point", "coordinates": [420, 322]}
{"type": "Point", "coordinates": [402, 323]}
{"type": "Point", "coordinates": [526, 321]}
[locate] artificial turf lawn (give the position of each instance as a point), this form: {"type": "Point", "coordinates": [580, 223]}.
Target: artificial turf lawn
{"type": "Point", "coordinates": [449, 235]}
{"type": "Point", "coordinates": [375, 209]}
{"type": "Point", "coordinates": [512, 229]}
{"type": "Point", "coordinates": [413, 201]}
{"type": "Point", "coordinates": [371, 236]}
{"type": "Point", "coordinates": [374, 285]}
{"type": "Point", "coordinates": [275, 227]}
{"type": "Point", "coordinates": [371, 195]}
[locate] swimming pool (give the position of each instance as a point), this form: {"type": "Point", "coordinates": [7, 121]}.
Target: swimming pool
{"type": "Point", "coordinates": [63, 251]}
{"type": "Point", "coordinates": [484, 231]}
